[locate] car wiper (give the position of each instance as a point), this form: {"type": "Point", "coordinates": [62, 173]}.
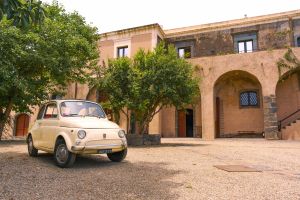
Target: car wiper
{"type": "Point", "coordinates": [91, 115]}
{"type": "Point", "coordinates": [72, 115]}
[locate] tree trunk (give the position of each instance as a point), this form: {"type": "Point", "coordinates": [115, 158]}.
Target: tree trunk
{"type": "Point", "coordinates": [142, 127]}
{"type": "Point", "coordinates": [2, 125]}
{"type": "Point", "coordinates": [4, 117]}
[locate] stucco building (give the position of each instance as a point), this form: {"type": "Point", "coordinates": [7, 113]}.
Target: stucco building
{"type": "Point", "coordinates": [241, 95]}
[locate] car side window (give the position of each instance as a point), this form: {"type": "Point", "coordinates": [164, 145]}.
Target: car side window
{"type": "Point", "coordinates": [51, 111]}
{"type": "Point", "coordinates": [41, 112]}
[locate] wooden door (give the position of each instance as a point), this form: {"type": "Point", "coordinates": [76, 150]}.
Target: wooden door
{"type": "Point", "coordinates": [22, 125]}
{"type": "Point", "coordinates": [181, 123]}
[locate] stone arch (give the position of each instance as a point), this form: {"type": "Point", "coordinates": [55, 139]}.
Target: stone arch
{"type": "Point", "coordinates": [288, 103]}
{"type": "Point", "coordinates": [238, 105]}
{"type": "Point", "coordinates": [21, 124]}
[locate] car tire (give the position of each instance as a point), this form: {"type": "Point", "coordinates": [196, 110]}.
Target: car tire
{"type": "Point", "coordinates": [32, 151]}
{"type": "Point", "coordinates": [118, 156]}
{"type": "Point", "coordinates": [62, 156]}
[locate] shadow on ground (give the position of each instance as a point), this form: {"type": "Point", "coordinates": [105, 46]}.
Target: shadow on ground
{"type": "Point", "coordinates": [7, 143]}
{"type": "Point", "coordinates": [179, 144]}
{"type": "Point", "coordinates": [92, 177]}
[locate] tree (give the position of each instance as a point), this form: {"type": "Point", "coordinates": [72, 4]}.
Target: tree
{"type": "Point", "coordinates": [148, 82]}
{"type": "Point", "coordinates": [22, 12]}
{"type": "Point", "coordinates": [43, 59]}
{"type": "Point", "coordinates": [290, 62]}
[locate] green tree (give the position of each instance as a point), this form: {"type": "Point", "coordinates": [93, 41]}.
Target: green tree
{"type": "Point", "coordinates": [22, 12]}
{"type": "Point", "coordinates": [289, 62]}
{"type": "Point", "coordinates": [148, 82]}
{"type": "Point", "coordinates": [43, 59]}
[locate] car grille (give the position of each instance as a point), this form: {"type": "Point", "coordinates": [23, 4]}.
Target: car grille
{"type": "Point", "coordinates": [96, 142]}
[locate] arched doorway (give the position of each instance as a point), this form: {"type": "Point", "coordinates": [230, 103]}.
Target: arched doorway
{"type": "Point", "coordinates": [22, 124]}
{"type": "Point", "coordinates": [288, 105]}
{"type": "Point", "coordinates": [238, 105]}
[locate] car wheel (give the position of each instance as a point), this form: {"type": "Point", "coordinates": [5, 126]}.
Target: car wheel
{"type": "Point", "coordinates": [118, 156]}
{"type": "Point", "coordinates": [63, 157]}
{"type": "Point", "coordinates": [32, 151]}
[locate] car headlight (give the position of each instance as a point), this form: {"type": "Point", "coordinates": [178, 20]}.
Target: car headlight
{"type": "Point", "coordinates": [121, 133]}
{"type": "Point", "coordinates": [81, 134]}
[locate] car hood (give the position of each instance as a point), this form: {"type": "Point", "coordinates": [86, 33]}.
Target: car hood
{"type": "Point", "coordinates": [87, 122]}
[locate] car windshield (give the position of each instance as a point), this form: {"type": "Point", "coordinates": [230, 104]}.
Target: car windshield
{"type": "Point", "coordinates": [81, 108]}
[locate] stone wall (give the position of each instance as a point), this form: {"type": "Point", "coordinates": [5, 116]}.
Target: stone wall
{"type": "Point", "coordinates": [145, 139]}
{"type": "Point", "coordinates": [270, 117]}
{"type": "Point", "coordinates": [270, 36]}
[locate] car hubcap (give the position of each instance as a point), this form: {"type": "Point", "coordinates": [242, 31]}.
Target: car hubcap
{"type": "Point", "coordinates": [62, 154]}
{"type": "Point", "coordinates": [30, 145]}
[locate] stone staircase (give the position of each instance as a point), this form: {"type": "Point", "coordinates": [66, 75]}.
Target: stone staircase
{"type": "Point", "coordinates": [291, 131]}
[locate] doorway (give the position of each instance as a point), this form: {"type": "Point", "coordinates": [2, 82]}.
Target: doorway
{"type": "Point", "coordinates": [22, 124]}
{"type": "Point", "coordinates": [186, 123]}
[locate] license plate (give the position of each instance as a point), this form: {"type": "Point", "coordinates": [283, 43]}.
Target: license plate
{"type": "Point", "coordinates": [104, 151]}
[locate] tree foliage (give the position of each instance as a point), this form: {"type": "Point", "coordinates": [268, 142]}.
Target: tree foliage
{"type": "Point", "coordinates": [289, 62]}
{"type": "Point", "coordinates": [22, 13]}
{"type": "Point", "coordinates": [148, 82]}
{"type": "Point", "coordinates": [37, 61]}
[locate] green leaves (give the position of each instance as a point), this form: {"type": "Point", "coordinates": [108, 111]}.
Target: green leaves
{"type": "Point", "coordinates": [22, 13]}
{"type": "Point", "coordinates": [42, 59]}
{"type": "Point", "coordinates": [290, 63]}
{"type": "Point", "coordinates": [148, 82]}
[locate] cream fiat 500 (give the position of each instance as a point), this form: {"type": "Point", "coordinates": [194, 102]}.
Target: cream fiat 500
{"type": "Point", "coordinates": [70, 127]}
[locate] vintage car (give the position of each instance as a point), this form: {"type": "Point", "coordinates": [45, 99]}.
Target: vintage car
{"type": "Point", "coordinates": [70, 127]}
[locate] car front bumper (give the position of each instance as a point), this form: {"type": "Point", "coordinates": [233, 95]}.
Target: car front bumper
{"type": "Point", "coordinates": [95, 148]}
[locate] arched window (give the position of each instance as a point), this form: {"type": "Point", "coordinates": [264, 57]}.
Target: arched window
{"type": "Point", "coordinates": [249, 99]}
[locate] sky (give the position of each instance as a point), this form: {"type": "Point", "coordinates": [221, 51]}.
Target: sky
{"type": "Point", "coordinates": [112, 15]}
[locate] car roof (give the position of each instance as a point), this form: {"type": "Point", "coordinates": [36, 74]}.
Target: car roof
{"type": "Point", "coordinates": [64, 100]}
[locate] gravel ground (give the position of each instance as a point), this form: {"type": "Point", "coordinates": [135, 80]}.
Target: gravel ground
{"type": "Point", "coordinates": [177, 169]}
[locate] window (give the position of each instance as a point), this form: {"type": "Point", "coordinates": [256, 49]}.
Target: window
{"type": "Point", "coordinates": [249, 99]}
{"type": "Point", "coordinates": [184, 52]}
{"type": "Point", "coordinates": [298, 41]}
{"type": "Point", "coordinates": [245, 42]}
{"type": "Point", "coordinates": [51, 111]}
{"type": "Point", "coordinates": [81, 108]}
{"type": "Point", "coordinates": [122, 51]}
{"type": "Point", "coordinates": [41, 112]}
{"type": "Point", "coordinates": [245, 46]}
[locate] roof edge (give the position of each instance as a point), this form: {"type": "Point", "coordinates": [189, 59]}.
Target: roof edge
{"type": "Point", "coordinates": [234, 22]}
{"type": "Point", "coordinates": [137, 28]}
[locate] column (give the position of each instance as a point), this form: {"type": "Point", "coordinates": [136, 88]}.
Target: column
{"type": "Point", "coordinates": [270, 118]}
{"type": "Point", "coordinates": [208, 119]}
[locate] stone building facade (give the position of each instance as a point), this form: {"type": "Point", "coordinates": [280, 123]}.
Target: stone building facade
{"type": "Point", "coordinates": [241, 95]}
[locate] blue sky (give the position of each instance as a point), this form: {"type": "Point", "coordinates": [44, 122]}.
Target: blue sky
{"type": "Point", "coordinates": [111, 15]}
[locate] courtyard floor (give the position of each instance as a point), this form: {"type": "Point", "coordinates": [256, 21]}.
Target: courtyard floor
{"type": "Point", "coordinates": [177, 169]}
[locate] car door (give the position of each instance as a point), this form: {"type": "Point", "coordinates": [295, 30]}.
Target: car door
{"type": "Point", "coordinates": [49, 126]}
{"type": "Point", "coordinates": [36, 129]}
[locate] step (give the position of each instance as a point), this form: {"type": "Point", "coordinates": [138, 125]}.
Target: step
{"type": "Point", "coordinates": [292, 131]}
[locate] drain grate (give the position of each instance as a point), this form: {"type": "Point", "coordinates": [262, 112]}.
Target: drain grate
{"type": "Point", "coordinates": [236, 168]}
